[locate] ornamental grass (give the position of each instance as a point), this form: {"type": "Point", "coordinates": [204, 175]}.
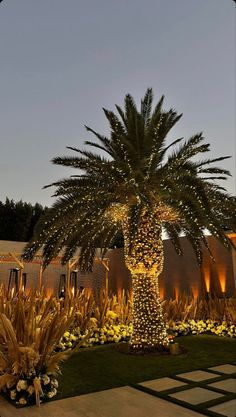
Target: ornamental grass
{"type": "Point", "coordinates": [213, 308]}
{"type": "Point", "coordinates": [30, 330]}
{"type": "Point", "coordinates": [110, 319]}
{"type": "Point", "coordinates": [37, 334]}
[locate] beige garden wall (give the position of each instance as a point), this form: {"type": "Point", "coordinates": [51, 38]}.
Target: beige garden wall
{"type": "Point", "coordinates": [51, 275]}
{"type": "Point", "coordinates": [180, 274]}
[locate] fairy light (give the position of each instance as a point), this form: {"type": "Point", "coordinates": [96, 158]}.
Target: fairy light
{"type": "Point", "coordinates": [94, 204]}
{"type": "Point", "coordinates": [149, 330]}
{"type": "Point", "coordinates": [144, 259]}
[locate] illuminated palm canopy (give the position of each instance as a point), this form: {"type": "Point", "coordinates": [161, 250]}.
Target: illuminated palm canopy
{"type": "Point", "coordinates": [139, 173]}
{"type": "Point", "coordinates": [140, 186]}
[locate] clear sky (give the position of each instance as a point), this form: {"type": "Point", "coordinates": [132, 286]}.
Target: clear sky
{"type": "Point", "coordinates": [61, 61]}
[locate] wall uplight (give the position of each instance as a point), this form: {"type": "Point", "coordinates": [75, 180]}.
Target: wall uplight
{"type": "Point", "coordinates": [207, 279]}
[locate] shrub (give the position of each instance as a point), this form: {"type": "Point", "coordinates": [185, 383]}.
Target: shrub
{"type": "Point", "coordinates": [28, 361]}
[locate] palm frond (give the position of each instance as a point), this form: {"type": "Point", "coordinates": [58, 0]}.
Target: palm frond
{"type": "Point", "coordinates": [140, 172]}
{"type": "Point", "coordinates": [146, 106]}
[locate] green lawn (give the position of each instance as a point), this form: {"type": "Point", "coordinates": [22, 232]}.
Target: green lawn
{"type": "Point", "coordinates": [103, 367]}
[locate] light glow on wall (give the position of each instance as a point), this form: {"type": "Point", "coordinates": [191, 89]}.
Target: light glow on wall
{"type": "Point", "coordinates": [222, 280]}
{"type": "Point", "coordinates": [161, 292]}
{"type": "Point", "coordinates": [207, 279]}
{"type": "Point", "coordinates": [195, 292]}
{"type": "Point", "coordinates": [49, 292]}
{"type": "Point", "coordinates": [177, 293]}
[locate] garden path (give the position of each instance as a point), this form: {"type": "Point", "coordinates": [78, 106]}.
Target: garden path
{"type": "Point", "coordinates": [210, 392]}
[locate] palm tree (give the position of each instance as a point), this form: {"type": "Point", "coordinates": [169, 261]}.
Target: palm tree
{"type": "Point", "coordinates": [137, 186]}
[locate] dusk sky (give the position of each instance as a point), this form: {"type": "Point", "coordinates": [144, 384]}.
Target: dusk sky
{"type": "Point", "coordinates": [62, 61]}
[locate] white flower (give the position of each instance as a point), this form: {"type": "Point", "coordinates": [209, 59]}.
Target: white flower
{"type": "Point", "coordinates": [45, 379]}
{"type": "Point", "coordinates": [52, 393]}
{"type": "Point", "coordinates": [54, 383]}
{"type": "Point", "coordinates": [13, 394]}
{"type": "Point", "coordinates": [22, 384]}
{"type": "Point", "coordinates": [22, 401]}
{"type": "Point", "coordinates": [30, 390]}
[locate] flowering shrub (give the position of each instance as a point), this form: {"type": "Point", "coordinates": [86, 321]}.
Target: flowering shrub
{"type": "Point", "coordinates": [23, 392]}
{"type": "Point", "coordinates": [200, 326]}
{"type": "Point", "coordinates": [109, 322]}
{"type": "Point", "coordinates": [115, 333]}
{"type": "Point", "coordinates": [110, 333]}
{"type": "Point", "coordinates": [29, 362]}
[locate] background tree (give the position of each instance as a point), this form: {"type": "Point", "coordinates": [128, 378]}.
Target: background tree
{"type": "Point", "coordinates": [18, 219]}
{"type": "Point", "coordinates": [141, 188]}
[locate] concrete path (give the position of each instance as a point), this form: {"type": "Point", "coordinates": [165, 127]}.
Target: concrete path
{"type": "Point", "coordinates": [118, 402]}
{"type": "Point", "coordinates": [213, 391]}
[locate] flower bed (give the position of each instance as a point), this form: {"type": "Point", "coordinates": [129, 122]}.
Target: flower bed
{"type": "Point", "coordinates": [111, 333]}
{"type": "Point", "coordinates": [34, 335]}
{"type": "Point", "coordinates": [200, 326]}
{"type": "Point", "coordinates": [115, 333]}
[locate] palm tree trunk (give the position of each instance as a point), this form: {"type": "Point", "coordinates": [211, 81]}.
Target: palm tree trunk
{"type": "Point", "coordinates": [149, 330]}
{"type": "Point", "coordinates": [144, 258]}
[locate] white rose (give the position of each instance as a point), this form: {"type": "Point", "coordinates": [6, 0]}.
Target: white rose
{"type": "Point", "coordinates": [22, 384]}
{"type": "Point", "coordinates": [13, 394]}
{"type": "Point", "coordinates": [54, 383]}
{"type": "Point", "coordinates": [45, 379]}
{"type": "Point", "coordinates": [30, 389]}
{"type": "Point", "coordinates": [52, 393]}
{"type": "Point", "coordinates": [22, 401]}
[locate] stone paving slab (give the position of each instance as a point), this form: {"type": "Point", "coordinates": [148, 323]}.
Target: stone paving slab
{"type": "Point", "coordinates": [162, 384]}
{"type": "Point", "coordinates": [196, 395]}
{"type": "Point", "coordinates": [227, 409]}
{"type": "Point", "coordinates": [117, 402]}
{"type": "Point", "coordinates": [224, 369]}
{"type": "Point", "coordinates": [228, 385]}
{"type": "Point", "coordinates": [197, 376]}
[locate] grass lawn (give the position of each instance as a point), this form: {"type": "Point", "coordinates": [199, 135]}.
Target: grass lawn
{"type": "Point", "coordinates": [104, 367]}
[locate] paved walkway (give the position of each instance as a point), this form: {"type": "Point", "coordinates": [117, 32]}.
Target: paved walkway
{"type": "Point", "coordinates": [118, 402]}
{"type": "Point", "coordinates": [199, 393]}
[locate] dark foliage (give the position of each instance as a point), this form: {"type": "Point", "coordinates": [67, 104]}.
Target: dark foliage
{"type": "Point", "coordinates": [18, 219]}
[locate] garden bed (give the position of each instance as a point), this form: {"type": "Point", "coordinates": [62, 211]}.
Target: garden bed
{"type": "Point", "coordinates": [103, 367]}
{"type": "Point", "coordinates": [46, 332]}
